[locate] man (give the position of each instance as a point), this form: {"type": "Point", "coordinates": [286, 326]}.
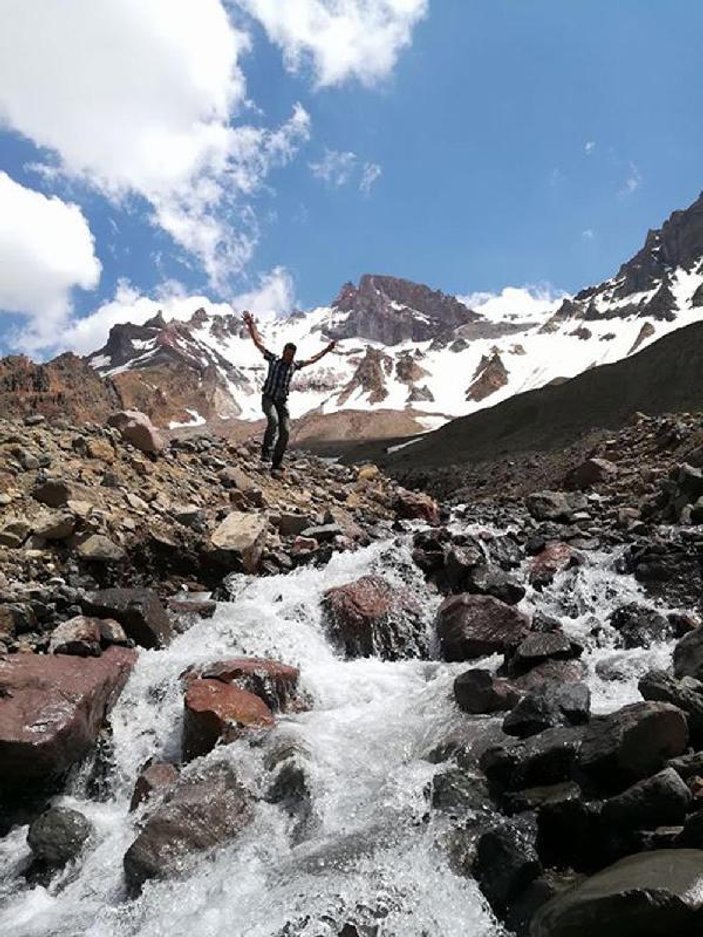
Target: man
{"type": "Point", "coordinates": [275, 394]}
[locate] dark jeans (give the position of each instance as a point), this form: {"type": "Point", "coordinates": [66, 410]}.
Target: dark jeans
{"type": "Point", "coordinates": [278, 423]}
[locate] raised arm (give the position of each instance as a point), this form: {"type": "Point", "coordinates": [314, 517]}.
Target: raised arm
{"type": "Point", "coordinates": [321, 354]}
{"type": "Point", "coordinates": [254, 332]}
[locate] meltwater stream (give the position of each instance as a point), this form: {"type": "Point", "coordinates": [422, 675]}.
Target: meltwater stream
{"type": "Point", "coordinates": [372, 852]}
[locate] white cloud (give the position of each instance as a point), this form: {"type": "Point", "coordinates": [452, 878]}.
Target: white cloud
{"type": "Point", "coordinates": [275, 294]}
{"type": "Point", "coordinates": [335, 168]}
{"type": "Point", "coordinates": [47, 250]}
{"type": "Point", "coordinates": [588, 234]}
{"type": "Point", "coordinates": [136, 97]}
{"type": "Point", "coordinates": [524, 303]}
{"type": "Point", "coordinates": [632, 182]}
{"type": "Point", "coordinates": [342, 39]}
{"type": "Point", "coordinates": [590, 147]}
{"type": "Point", "coordinates": [372, 173]}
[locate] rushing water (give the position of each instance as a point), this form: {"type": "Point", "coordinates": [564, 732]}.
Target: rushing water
{"type": "Point", "coordinates": [372, 851]}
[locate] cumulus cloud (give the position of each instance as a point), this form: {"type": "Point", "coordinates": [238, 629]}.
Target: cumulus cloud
{"type": "Point", "coordinates": [371, 174]}
{"type": "Point", "coordinates": [47, 251]}
{"type": "Point", "coordinates": [588, 234]}
{"type": "Point", "coordinates": [340, 39]}
{"type": "Point", "coordinates": [137, 98]}
{"type": "Point", "coordinates": [590, 147]}
{"type": "Point", "coordinates": [525, 302]}
{"type": "Point", "coordinates": [274, 295]}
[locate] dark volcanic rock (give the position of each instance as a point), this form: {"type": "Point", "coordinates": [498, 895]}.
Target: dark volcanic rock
{"type": "Point", "coordinates": [478, 692]}
{"type": "Point", "coordinates": [538, 648]}
{"type": "Point", "coordinates": [550, 706]}
{"type": "Point", "coordinates": [201, 814]}
{"type": "Point", "coordinates": [471, 626]}
{"type": "Point", "coordinates": [661, 800]}
{"type": "Point", "coordinates": [547, 758]}
{"type": "Point", "coordinates": [640, 626]}
{"type": "Point", "coordinates": [506, 862]}
{"type": "Point", "coordinates": [632, 743]}
{"type": "Point", "coordinates": [139, 611]}
{"type": "Point", "coordinates": [591, 472]}
{"type": "Point", "coordinates": [686, 693]}
{"type": "Point", "coordinates": [58, 836]}
{"type": "Point", "coordinates": [688, 655]}
{"type": "Point", "coordinates": [654, 894]}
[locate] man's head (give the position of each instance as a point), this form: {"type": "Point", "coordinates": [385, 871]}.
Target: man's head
{"type": "Point", "coordinates": [289, 351]}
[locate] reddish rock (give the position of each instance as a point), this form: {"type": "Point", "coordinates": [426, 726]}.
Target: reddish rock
{"type": "Point", "coordinates": [559, 671]}
{"type": "Point", "coordinates": [203, 813]}
{"type": "Point", "coordinates": [478, 692]}
{"type": "Point", "coordinates": [137, 429]}
{"type": "Point", "coordinates": [154, 779]}
{"type": "Point", "coordinates": [415, 505]}
{"type": "Point", "coordinates": [139, 611]}
{"type": "Point", "coordinates": [472, 626]}
{"type": "Point", "coordinates": [215, 710]}
{"type": "Point", "coordinates": [555, 558]}
{"type": "Point", "coordinates": [52, 708]}
{"type": "Point", "coordinates": [276, 684]}
{"type": "Point", "coordinates": [203, 608]}
{"type": "Point", "coordinates": [369, 617]}
{"type": "Point", "coordinates": [304, 545]}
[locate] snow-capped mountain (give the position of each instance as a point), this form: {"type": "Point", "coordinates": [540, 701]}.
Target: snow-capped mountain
{"type": "Point", "coordinates": [406, 349]}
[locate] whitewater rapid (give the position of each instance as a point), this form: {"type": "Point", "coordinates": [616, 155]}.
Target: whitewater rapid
{"type": "Point", "coordinates": [372, 852]}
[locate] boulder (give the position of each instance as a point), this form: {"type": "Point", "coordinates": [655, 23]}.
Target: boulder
{"type": "Point", "coordinates": [198, 607]}
{"type": "Point", "coordinates": [201, 814]}
{"type": "Point", "coordinates": [505, 864]}
{"type": "Point", "coordinates": [292, 525]}
{"type": "Point", "coordinates": [563, 671]}
{"type": "Point", "coordinates": [156, 778]}
{"type": "Point", "coordinates": [234, 477]}
{"type": "Point", "coordinates": [136, 428]}
{"type": "Point", "coordinates": [640, 626]}
{"type": "Point", "coordinates": [55, 526]}
{"type": "Point", "coordinates": [632, 743]}
{"type": "Point", "coordinates": [480, 693]}
{"type": "Point", "coordinates": [216, 711]}
{"type": "Point", "coordinates": [275, 684]}
{"type": "Point", "coordinates": [592, 472]}
{"type": "Point", "coordinates": [456, 791]}
{"type": "Point", "coordinates": [661, 800]}
{"type": "Point", "coordinates": [472, 626]}
{"type": "Point", "coordinates": [369, 617]}
{"type": "Point", "coordinates": [547, 758]}
{"type": "Point", "coordinates": [691, 836]}
{"type": "Point", "coordinates": [552, 705]}
{"type": "Point", "coordinates": [654, 894]}
{"type": "Point", "coordinates": [686, 693]}
{"type": "Point", "coordinates": [688, 655]}
{"type": "Point", "coordinates": [55, 492]}
{"type": "Point", "coordinates": [139, 611]}
{"type": "Point", "coordinates": [100, 549]}
{"type": "Point", "coordinates": [538, 648]}
{"type": "Point", "coordinates": [58, 835]}
{"type": "Point", "coordinates": [52, 710]}
{"type": "Point", "coordinates": [553, 559]}
{"type": "Point", "coordinates": [415, 505]}
{"type": "Point", "coordinates": [14, 533]}
{"type": "Point", "coordinates": [554, 505]}
{"type": "Point", "coordinates": [322, 533]}
{"type": "Point", "coordinates": [484, 579]}
{"type": "Point", "coordinates": [239, 540]}
{"type": "Point", "coordinates": [79, 636]}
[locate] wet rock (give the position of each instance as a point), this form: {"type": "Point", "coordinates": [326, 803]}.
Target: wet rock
{"type": "Point", "coordinates": [480, 693]}
{"type": "Point", "coordinates": [654, 894]}
{"type": "Point", "coordinates": [79, 636]}
{"type": "Point", "coordinates": [553, 559]}
{"type": "Point", "coordinates": [564, 671]}
{"type": "Point", "coordinates": [414, 505]}
{"type": "Point", "coordinates": [570, 835]}
{"type": "Point", "coordinates": [472, 626]}
{"type": "Point", "coordinates": [688, 655]}
{"type": "Point", "coordinates": [554, 505]}
{"type": "Point", "coordinates": [631, 743]}
{"type": "Point", "coordinates": [691, 836]}
{"type": "Point", "coordinates": [538, 648]}
{"type": "Point", "coordinates": [532, 798]}
{"type": "Point", "coordinates": [506, 862]}
{"type": "Point", "coordinates": [52, 711]}
{"type": "Point", "coordinates": [100, 549]}
{"type": "Point", "coordinates": [661, 800]}
{"type": "Point", "coordinates": [369, 617]}
{"type": "Point", "coordinates": [136, 428]}
{"type": "Point", "coordinates": [290, 790]}
{"type": "Point", "coordinates": [239, 540]}
{"type": "Point", "coordinates": [593, 471]}
{"type": "Point", "coordinates": [548, 707]}
{"type": "Point", "coordinates": [58, 836]}
{"type": "Point", "coordinates": [276, 684]}
{"type": "Point", "coordinates": [640, 626]}
{"type": "Point", "coordinates": [216, 711]}
{"type": "Point", "coordinates": [687, 766]}
{"type": "Point", "coordinates": [486, 580]}
{"type": "Point", "coordinates": [547, 758]}
{"type": "Point", "coordinates": [156, 778]}
{"type": "Point", "coordinates": [456, 791]}
{"type": "Point", "coordinates": [197, 607]}
{"type": "Point", "coordinates": [686, 694]}
{"type": "Point", "coordinates": [201, 814]}
{"type": "Point", "coordinates": [324, 533]}
{"type": "Point", "coordinates": [139, 611]}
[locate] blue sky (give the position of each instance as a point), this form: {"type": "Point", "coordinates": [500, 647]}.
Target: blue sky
{"type": "Point", "coordinates": [504, 142]}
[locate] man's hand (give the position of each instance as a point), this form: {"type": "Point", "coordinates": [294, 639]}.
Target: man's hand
{"type": "Point", "coordinates": [332, 345]}
{"type": "Point", "coordinates": [248, 317]}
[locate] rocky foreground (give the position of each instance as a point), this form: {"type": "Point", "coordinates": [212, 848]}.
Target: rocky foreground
{"type": "Point", "coordinates": [568, 820]}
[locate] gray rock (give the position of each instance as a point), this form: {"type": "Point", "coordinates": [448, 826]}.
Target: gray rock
{"type": "Point", "coordinates": [79, 636]}
{"type": "Point", "coordinates": [640, 626]}
{"type": "Point", "coordinates": [139, 611]}
{"type": "Point", "coordinates": [686, 693]}
{"type": "Point", "coordinates": [661, 800]}
{"type": "Point", "coordinates": [100, 549]}
{"type": "Point", "coordinates": [688, 655]}
{"type": "Point", "coordinates": [58, 836]}
{"type": "Point", "coordinates": [480, 693]}
{"type": "Point", "coordinates": [506, 862]}
{"type": "Point", "coordinates": [550, 706]}
{"type": "Point", "coordinates": [547, 758]}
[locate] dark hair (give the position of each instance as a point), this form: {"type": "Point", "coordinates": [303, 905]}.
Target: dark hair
{"type": "Point", "coordinates": [290, 345]}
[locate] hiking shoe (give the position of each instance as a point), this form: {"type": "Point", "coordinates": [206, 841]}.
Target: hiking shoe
{"type": "Point", "coordinates": [277, 472]}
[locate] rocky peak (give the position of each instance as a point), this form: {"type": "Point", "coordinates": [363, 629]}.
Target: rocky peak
{"type": "Point", "coordinates": [489, 377]}
{"type": "Point", "coordinates": [369, 377]}
{"type": "Point", "coordinates": [391, 310]}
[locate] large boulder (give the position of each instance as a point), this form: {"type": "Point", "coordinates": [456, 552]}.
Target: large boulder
{"type": "Point", "coordinates": [688, 655]}
{"type": "Point", "coordinates": [217, 711]}
{"type": "Point", "coordinates": [554, 505]}
{"type": "Point", "coordinates": [661, 800]}
{"type": "Point", "coordinates": [137, 429]}
{"type": "Point", "coordinates": [686, 693]}
{"type": "Point", "coordinates": [480, 693]}
{"type": "Point", "coordinates": [539, 648]}
{"type": "Point", "coordinates": [593, 471]}
{"type": "Point", "coordinates": [276, 684]}
{"type": "Point", "coordinates": [505, 864]}
{"type": "Point", "coordinates": [547, 758]}
{"type": "Point", "coordinates": [239, 540]}
{"type": "Point", "coordinates": [369, 617]}
{"type": "Point", "coordinates": [58, 835]}
{"type": "Point", "coordinates": [631, 743]}
{"type": "Point", "coordinates": [655, 894]}
{"type": "Point", "coordinates": [552, 705]}
{"type": "Point", "coordinates": [200, 814]}
{"type": "Point", "coordinates": [51, 710]}
{"type": "Point", "coordinates": [139, 611]}
{"type": "Point", "coordinates": [472, 626]}
{"type": "Point", "coordinates": [415, 505]}
{"type": "Point", "coordinates": [640, 626]}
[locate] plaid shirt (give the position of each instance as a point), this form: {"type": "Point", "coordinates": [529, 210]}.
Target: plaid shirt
{"type": "Point", "coordinates": [277, 383]}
